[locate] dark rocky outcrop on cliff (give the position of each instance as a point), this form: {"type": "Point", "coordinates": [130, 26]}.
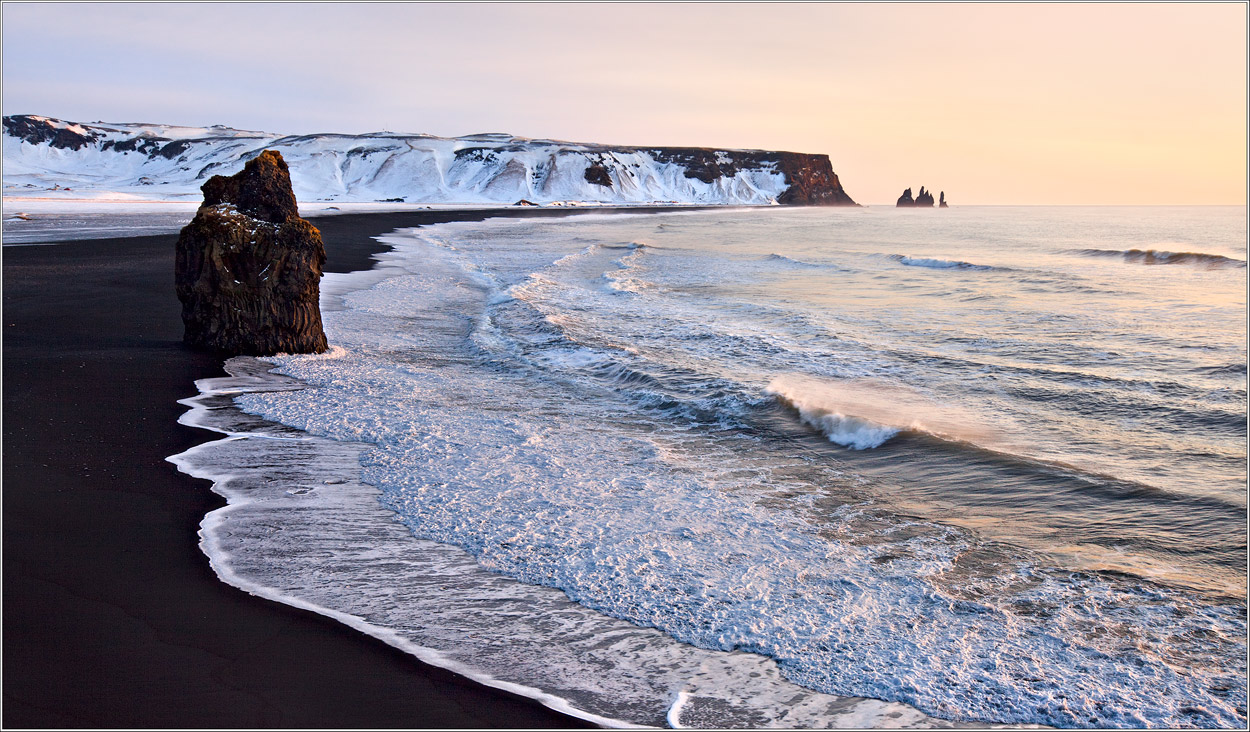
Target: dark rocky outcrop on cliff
{"type": "Point", "coordinates": [598, 174]}
{"type": "Point", "coordinates": [923, 199]}
{"type": "Point", "coordinates": [36, 130]}
{"type": "Point", "coordinates": [248, 268]}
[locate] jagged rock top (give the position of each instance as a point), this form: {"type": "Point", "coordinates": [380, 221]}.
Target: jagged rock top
{"type": "Point", "coordinates": [922, 199]}
{"type": "Point", "coordinates": [261, 190]}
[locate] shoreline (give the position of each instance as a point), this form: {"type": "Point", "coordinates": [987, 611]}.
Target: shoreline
{"type": "Point", "coordinates": [113, 615]}
{"type": "Point", "coordinates": [324, 481]}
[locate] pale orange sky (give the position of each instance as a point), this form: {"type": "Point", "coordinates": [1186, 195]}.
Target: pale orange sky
{"type": "Point", "coordinates": [1050, 103]}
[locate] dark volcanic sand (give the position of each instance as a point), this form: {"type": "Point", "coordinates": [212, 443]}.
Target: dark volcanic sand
{"type": "Point", "coordinates": [112, 616]}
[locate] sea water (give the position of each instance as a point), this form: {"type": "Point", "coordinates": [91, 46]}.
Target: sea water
{"type": "Point", "coordinates": [775, 466]}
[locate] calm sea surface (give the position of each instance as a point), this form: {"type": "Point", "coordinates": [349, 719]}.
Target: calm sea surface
{"type": "Point", "coordinates": [986, 461]}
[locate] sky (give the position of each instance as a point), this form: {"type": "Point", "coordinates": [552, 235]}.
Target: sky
{"type": "Point", "coordinates": [993, 104]}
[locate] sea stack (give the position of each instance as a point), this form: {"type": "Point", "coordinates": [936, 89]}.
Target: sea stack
{"type": "Point", "coordinates": [942, 200]}
{"type": "Point", "coordinates": [923, 198]}
{"type": "Point", "coordinates": [248, 268]}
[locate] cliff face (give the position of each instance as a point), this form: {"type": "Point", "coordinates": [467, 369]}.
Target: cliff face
{"type": "Point", "coordinates": [809, 178]}
{"type": "Point", "coordinates": [248, 268]}
{"type": "Point", "coordinates": [812, 182]}
{"type": "Point", "coordinates": [161, 161]}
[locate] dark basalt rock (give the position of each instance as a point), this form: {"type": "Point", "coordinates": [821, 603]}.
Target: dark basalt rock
{"type": "Point", "coordinates": [597, 173]}
{"type": "Point", "coordinates": [36, 130]}
{"type": "Point", "coordinates": [942, 200]}
{"type": "Point", "coordinates": [923, 198]}
{"type": "Point", "coordinates": [812, 181]}
{"type": "Point", "coordinates": [248, 268]}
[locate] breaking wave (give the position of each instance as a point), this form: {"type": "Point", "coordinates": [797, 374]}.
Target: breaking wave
{"type": "Point", "coordinates": [1157, 256]}
{"type": "Point", "coordinates": [790, 261]}
{"type": "Point", "coordinates": [939, 263]}
{"type": "Point", "coordinates": [862, 415]}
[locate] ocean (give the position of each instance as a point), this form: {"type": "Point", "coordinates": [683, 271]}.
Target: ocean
{"type": "Point", "coordinates": [772, 466]}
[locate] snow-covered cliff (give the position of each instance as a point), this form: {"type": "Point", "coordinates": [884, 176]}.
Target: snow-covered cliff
{"type": "Point", "coordinates": [45, 156]}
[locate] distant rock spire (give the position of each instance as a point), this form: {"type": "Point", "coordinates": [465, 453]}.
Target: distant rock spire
{"type": "Point", "coordinates": [942, 200]}
{"type": "Point", "coordinates": [923, 198]}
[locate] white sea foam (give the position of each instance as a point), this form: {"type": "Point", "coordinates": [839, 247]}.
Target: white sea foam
{"type": "Point", "coordinates": [605, 446]}
{"type": "Point", "coordinates": [853, 432]}
{"type": "Point", "coordinates": [342, 555]}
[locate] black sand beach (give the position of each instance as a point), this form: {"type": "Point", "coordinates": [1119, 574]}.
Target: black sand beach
{"type": "Point", "coordinates": [112, 616]}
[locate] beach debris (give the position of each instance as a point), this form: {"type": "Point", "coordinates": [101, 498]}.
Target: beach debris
{"type": "Point", "coordinates": [248, 268]}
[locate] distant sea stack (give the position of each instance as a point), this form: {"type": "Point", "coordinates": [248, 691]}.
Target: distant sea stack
{"type": "Point", "coordinates": [248, 268]}
{"type": "Point", "coordinates": [942, 200]}
{"type": "Point", "coordinates": [922, 199]}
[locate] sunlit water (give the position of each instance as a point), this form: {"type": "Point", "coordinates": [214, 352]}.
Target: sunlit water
{"type": "Point", "coordinates": [989, 462]}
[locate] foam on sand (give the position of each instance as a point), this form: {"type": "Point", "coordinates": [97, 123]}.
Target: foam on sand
{"type": "Point", "coordinates": [341, 554]}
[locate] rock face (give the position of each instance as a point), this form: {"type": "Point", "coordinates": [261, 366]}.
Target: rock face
{"type": "Point", "coordinates": [812, 181]}
{"type": "Point", "coordinates": [924, 198]}
{"type": "Point", "coordinates": [809, 177]}
{"type": "Point", "coordinates": [598, 174]}
{"type": "Point", "coordinates": [248, 268]}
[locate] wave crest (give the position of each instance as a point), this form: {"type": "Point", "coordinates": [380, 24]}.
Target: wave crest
{"type": "Point", "coordinates": [1158, 256]}
{"type": "Point", "coordinates": [939, 263]}
{"type": "Point", "coordinates": [862, 414]}
{"type": "Point", "coordinates": [792, 262]}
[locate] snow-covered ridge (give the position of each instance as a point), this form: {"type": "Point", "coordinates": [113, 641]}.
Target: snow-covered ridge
{"type": "Point", "coordinates": [49, 157]}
